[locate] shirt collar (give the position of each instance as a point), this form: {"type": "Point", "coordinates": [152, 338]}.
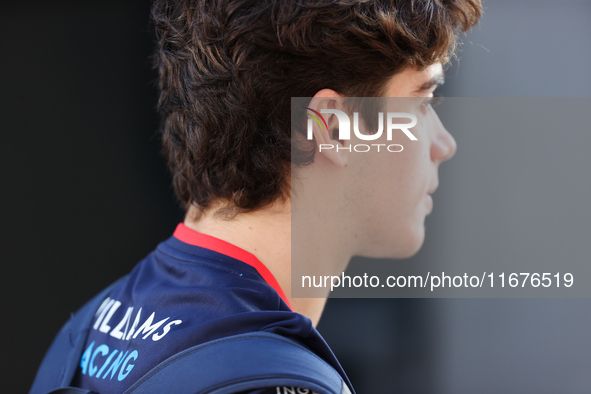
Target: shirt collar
{"type": "Point", "coordinates": [192, 237]}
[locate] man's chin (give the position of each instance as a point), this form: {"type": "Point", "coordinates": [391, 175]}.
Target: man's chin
{"type": "Point", "coordinates": [410, 252]}
{"type": "Point", "coordinates": [398, 248]}
{"type": "Point", "coordinates": [412, 244]}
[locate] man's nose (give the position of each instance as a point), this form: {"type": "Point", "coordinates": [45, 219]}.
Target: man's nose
{"type": "Point", "coordinates": [443, 146]}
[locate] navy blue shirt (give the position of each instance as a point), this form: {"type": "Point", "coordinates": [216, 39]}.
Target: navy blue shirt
{"type": "Point", "coordinates": [192, 289]}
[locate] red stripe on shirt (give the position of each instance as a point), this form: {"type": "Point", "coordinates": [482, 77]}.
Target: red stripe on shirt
{"type": "Point", "coordinates": [192, 237]}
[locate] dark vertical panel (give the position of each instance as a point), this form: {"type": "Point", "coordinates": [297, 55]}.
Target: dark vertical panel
{"type": "Point", "coordinates": [85, 194]}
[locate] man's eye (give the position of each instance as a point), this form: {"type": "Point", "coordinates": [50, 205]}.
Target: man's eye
{"type": "Point", "coordinates": [434, 101]}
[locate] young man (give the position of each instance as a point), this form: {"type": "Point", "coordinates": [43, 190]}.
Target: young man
{"type": "Point", "coordinates": [228, 70]}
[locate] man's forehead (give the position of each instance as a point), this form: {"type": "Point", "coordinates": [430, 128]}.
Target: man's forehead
{"type": "Point", "coordinates": [412, 82]}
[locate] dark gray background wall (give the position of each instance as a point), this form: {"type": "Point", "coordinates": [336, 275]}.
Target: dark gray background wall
{"type": "Point", "coordinates": [85, 196]}
{"type": "Point", "coordinates": [84, 192]}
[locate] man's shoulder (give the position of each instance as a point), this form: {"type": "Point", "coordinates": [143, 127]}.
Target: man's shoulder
{"type": "Point", "coordinates": [175, 299]}
{"type": "Point", "coordinates": [170, 304]}
{"type": "Point", "coordinates": [123, 346]}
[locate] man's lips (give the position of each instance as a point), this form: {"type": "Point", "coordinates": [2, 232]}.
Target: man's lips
{"type": "Point", "coordinates": [429, 201]}
{"type": "Point", "coordinates": [432, 190]}
{"type": "Point", "coordinates": [428, 198]}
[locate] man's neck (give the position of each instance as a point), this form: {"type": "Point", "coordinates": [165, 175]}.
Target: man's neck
{"type": "Point", "coordinates": [266, 234]}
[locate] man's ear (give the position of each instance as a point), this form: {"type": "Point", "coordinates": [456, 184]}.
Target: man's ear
{"type": "Point", "coordinates": [326, 127]}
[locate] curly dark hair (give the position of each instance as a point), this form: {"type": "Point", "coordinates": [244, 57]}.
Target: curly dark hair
{"type": "Point", "coordinates": [228, 69]}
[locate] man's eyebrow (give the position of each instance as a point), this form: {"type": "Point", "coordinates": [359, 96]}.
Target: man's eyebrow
{"type": "Point", "coordinates": [438, 79]}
